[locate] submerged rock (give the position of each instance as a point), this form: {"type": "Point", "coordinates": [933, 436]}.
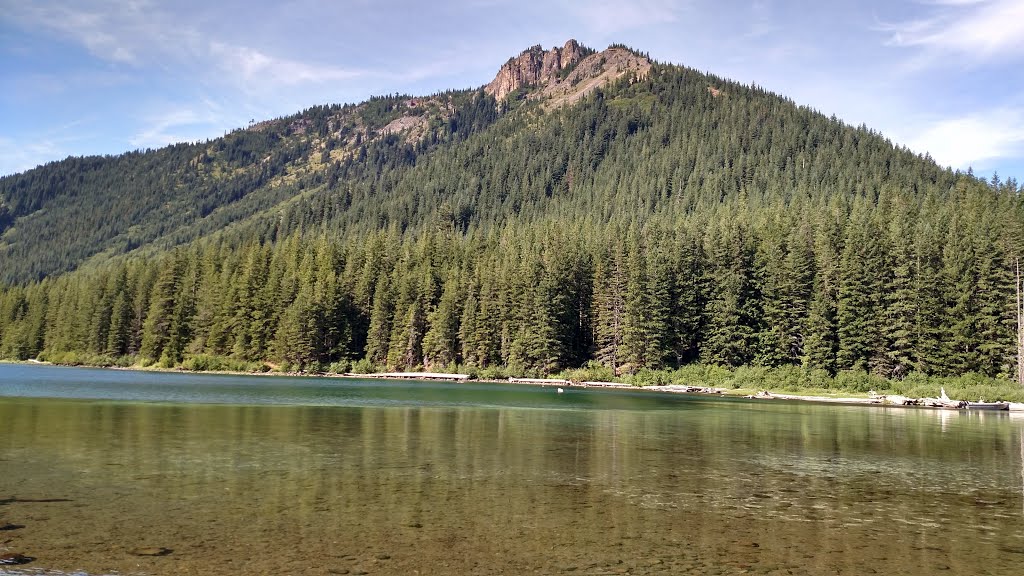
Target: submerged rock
{"type": "Point", "coordinates": [9, 558]}
{"type": "Point", "coordinates": [151, 551]}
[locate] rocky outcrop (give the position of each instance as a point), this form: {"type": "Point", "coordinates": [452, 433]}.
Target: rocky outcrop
{"type": "Point", "coordinates": [534, 67]}
{"type": "Point", "coordinates": [564, 75]}
{"type": "Point", "coordinates": [593, 72]}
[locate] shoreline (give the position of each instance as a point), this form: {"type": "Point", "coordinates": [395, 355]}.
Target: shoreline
{"type": "Point", "coordinates": [881, 400]}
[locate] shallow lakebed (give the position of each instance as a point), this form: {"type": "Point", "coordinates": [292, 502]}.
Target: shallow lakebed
{"type": "Point", "coordinates": [105, 471]}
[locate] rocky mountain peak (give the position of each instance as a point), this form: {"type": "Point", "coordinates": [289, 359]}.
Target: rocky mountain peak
{"type": "Point", "coordinates": [564, 75]}
{"type": "Point", "coordinates": [535, 66]}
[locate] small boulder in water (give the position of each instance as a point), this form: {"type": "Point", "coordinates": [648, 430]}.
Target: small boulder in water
{"type": "Point", "coordinates": [151, 551]}
{"type": "Point", "coordinates": [9, 558]}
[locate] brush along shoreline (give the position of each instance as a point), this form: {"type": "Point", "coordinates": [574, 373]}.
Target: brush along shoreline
{"type": "Point", "coordinates": [890, 400]}
{"type": "Point", "coordinates": [872, 399]}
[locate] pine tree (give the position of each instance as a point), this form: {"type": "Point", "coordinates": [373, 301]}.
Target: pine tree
{"type": "Point", "coordinates": [119, 335]}
{"type": "Point", "coordinates": [995, 342]}
{"type": "Point", "coordinates": [798, 286]}
{"type": "Point", "coordinates": [899, 297]}
{"type": "Point", "coordinates": [688, 296]}
{"type": "Point", "coordinates": [959, 279]}
{"type": "Point", "coordinates": [777, 302]}
{"type": "Point", "coordinates": [180, 330]}
{"type": "Point", "coordinates": [441, 342]}
{"type": "Point", "coordinates": [636, 313]}
{"type": "Point", "coordinates": [731, 312]}
{"type": "Point", "coordinates": [610, 281]}
{"type": "Point", "coordinates": [378, 338]}
{"type": "Point", "coordinates": [1020, 322]}
{"type": "Point", "coordinates": [929, 309]}
{"type": "Point", "coordinates": [468, 335]}
{"type": "Point", "coordinates": [822, 340]}
{"type": "Point", "coordinates": [294, 342]}
{"type": "Point", "coordinates": [859, 318]}
{"type": "Point", "coordinates": [158, 324]}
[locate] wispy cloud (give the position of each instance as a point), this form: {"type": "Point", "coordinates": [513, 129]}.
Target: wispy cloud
{"type": "Point", "coordinates": [253, 66]}
{"type": "Point", "coordinates": [978, 29]}
{"type": "Point", "coordinates": [174, 125]}
{"type": "Point", "coordinates": [113, 30]}
{"type": "Point", "coordinates": [141, 34]}
{"type": "Point", "coordinates": [762, 21]}
{"type": "Point", "coordinates": [611, 16]}
{"type": "Point", "coordinates": [18, 155]}
{"type": "Point", "coordinates": [973, 140]}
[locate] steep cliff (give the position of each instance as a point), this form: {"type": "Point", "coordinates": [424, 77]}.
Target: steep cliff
{"type": "Point", "coordinates": [564, 75]}
{"type": "Point", "coordinates": [534, 67]}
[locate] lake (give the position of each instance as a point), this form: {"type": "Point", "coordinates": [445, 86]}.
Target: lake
{"type": "Point", "coordinates": [279, 475]}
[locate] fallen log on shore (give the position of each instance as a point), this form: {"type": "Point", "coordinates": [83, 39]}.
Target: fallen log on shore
{"type": "Point", "coordinates": [598, 384]}
{"type": "Point", "coordinates": [541, 381]}
{"type": "Point", "coordinates": [687, 389]}
{"type": "Point", "coordinates": [412, 376]}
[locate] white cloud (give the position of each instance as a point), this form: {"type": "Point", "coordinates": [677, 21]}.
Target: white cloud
{"type": "Point", "coordinates": [973, 28]}
{"type": "Point", "coordinates": [973, 140]}
{"type": "Point", "coordinates": [762, 20]}
{"type": "Point", "coordinates": [138, 33]}
{"type": "Point", "coordinates": [611, 16]}
{"type": "Point", "coordinates": [254, 67]}
{"type": "Point", "coordinates": [112, 30]}
{"type": "Point", "coordinates": [170, 127]}
{"type": "Point", "coordinates": [25, 153]}
{"type": "Point", "coordinates": [20, 156]}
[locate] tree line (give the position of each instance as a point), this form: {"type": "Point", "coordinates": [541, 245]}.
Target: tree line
{"type": "Point", "coordinates": [899, 284]}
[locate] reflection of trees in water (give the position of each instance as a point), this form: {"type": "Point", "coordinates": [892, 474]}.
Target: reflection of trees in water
{"type": "Point", "coordinates": [443, 482]}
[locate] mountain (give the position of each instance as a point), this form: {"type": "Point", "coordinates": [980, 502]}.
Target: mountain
{"type": "Point", "coordinates": [583, 208]}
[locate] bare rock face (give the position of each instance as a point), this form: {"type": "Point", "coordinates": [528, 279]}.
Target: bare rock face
{"type": "Point", "coordinates": [592, 73]}
{"type": "Point", "coordinates": [545, 72]}
{"type": "Point", "coordinates": [533, 67]}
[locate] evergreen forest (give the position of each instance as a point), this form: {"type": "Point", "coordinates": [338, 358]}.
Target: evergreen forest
{"type": "Point", "coordinates": [671, 221]}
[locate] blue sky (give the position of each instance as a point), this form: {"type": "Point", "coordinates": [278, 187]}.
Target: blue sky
{"type": "Point", "coordinates": [942, 77]}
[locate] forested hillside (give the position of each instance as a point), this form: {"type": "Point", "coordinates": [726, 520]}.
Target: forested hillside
{"type": "Point", "coordinates": [665, 219]}
{"type": "Point", "coordinates": [56, 217]}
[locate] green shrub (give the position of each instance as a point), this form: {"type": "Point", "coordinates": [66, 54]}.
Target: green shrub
{"type": "Point", "coordinates": [75, 358]}
{"type": "Point", "coordinates": [363, 366]}
{"type": "Point", "coordinates": [200, 363]}
{"type": "Point", "coordinates": [648, 377]}
{"type": "Point", "coordinates": [339, 367]}
{"type": "Point", "coordinates": [859, 381]}
{"type": "Point", "coordinates": [492, 373]}
{"type": "Point", "coordinates": [753, 377]}
{"type": "Point", "coordinates": [472, 371]}
{"type": "Point", "coordinates": [703, 375]}
{"type": "Point", "coordinates": [591, 372]}
{"type": "Point", "coordinates": [125, 361]}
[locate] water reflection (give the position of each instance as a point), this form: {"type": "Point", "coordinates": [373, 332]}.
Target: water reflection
{"type": "Point", "coordinates": [770, 487]}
